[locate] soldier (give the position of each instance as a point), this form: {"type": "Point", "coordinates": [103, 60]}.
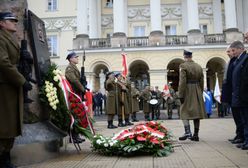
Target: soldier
{"type": "Point", "coordinates": [112, 99]}
{"type": "Point", "coordinates": [12, 85]}
{"type": "Point", "coordinates": [135, 102]}
{"type": "Point", "coordinates": [72, 74]}
{"type": "Point", "coordinates": [170, 102]}
{"type": "Point", "coordinates": [146, 96]}
{"type": "Point", "coordinates": [160, 101]}
{"type": "Point", "coordinates": [191, 95]}
{"type": "Point", "coordinates": [177, 103]}
{"type": "Point", "coordinates": [123, 111]}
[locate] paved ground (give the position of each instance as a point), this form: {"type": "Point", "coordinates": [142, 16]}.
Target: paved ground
{"type": "Point", "coordinates": [212, 151]}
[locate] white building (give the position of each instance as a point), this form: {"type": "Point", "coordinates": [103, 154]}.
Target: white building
{"type": "Point", "coordinates": [153, 33]}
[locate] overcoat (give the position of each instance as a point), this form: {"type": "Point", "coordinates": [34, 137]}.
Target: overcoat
{"type": "Point", "coordinates": [111, 102]}
{"type": "Point", "coordinates": [191, 90]}
{"type": "Point", "coordinates": [146, 95]}
{"type": "Point", "coordinates": [11, 82]}
{"type": "Point", "coordinates": [135, 99]}
{"type": "Point", "coordinates": [72, 74]}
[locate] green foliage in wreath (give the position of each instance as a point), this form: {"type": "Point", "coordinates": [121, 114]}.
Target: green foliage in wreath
{"type": "Point", "coordinates": [59, 114]}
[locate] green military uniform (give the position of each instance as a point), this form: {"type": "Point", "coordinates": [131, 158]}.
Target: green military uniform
{"type": "Point", "coordinates": [146, 96]}
{"type": "Point", "coordinates": [191, 94]}
{"type": "Point", "coordinates": [111, 105]}
{"type": "Point", "coordinates": [11, 99]}
{"type": "Point", "coordinates": [170, 102]}
{"type": "Point", "coordinates": [135, 102]}
{"type": "Point", "coordinates": [191, 89]}
{"type": "Point", "coordinates": [158, 105]}
{"type": "Point", "coordinates": [72, 74]}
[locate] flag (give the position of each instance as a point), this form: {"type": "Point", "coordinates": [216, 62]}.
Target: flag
{"type": "Point", "coordinates": [166, 91]}
{"type": "Point", "coordinates": [208, 102]}
{"type": "Point", "coordinates": [217, 92]}
{"type": "Point", "coordinates": [124, 64]}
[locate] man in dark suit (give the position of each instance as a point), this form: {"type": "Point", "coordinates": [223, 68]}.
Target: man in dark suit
{"type": "Point", "coordinates": [240, 88]}
{"type": "Point", "coordinates": [12, 84]}
{"type": "Point", "coordinates": [226, 97]}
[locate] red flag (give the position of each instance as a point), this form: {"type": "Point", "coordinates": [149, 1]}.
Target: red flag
{"type": "Point", "coordinates": [124, 64]}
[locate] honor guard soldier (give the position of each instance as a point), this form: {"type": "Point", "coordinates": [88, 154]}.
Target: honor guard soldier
{"type": "Point", "coordinates": [112, 98]}
{"type": "Point", "coordinates": [191, 95]}
{"type": "Point", "coordinates": [12, 86]}
{"type": "Point", "coordinates": [72, 74]}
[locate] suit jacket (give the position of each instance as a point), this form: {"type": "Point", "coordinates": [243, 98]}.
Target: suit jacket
{"type": "Point", "coordinates": [11, 82]}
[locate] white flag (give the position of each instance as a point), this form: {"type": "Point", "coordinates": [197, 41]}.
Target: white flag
{"type": "Point", "coordinates": [217, 93]}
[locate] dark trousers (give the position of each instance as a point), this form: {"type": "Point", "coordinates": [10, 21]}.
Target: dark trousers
{"type": "Point", "coordinates": [236, 111]}
{"type": "Point", "coordinates": [6, 144]}
{"type": "Point", "coordinates": [244, 114]}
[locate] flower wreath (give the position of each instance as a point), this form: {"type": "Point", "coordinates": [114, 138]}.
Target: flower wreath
{"type": "Point", "coordinates": [145, 138]}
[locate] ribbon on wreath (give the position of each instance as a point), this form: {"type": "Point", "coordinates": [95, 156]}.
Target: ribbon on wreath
{"type": "Point", "coordinates": [67, 90]}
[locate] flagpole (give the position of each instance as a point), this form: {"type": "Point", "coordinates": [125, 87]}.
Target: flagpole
{"type": "Point", "coordinates": [217, 103]}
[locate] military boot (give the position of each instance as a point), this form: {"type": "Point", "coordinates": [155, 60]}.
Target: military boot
{"type": "Point", "coordinates": [134, 119]}
{"type": "Point", "coordinates": [195, 137]}
{"type": "Point", "coordinates": [121, 124]}
{"type": "Point", "coordinates": [127, 122]}
{"type": "Point", "coordinates": [5, 161]}
{"type": "Point", "coordinates": [187, 134]}
{"type": "Point", "coordinates": [110, 125]}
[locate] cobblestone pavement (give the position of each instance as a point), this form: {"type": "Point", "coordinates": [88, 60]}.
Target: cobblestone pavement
{"type": "Point", "coordinates": [212, 151]}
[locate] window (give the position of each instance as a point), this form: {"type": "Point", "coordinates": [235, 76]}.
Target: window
{"type": "Point", "coordinates": [52, 42]}
{"type": "Point", "coordinates": [52, 5]}
{"type": "Point", "coordinates": [171, 30]}
{"type": "Point", "coordinates": [109, 4]}
{"type": "Point", "coordinates": [204, 29]}
{"type": "Point", "coordinates": [139, 31]}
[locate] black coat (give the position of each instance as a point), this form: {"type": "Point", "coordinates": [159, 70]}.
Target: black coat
{"type": "Point", "coordinates": [226, 95]}
{"type": "Point", "coordinates": [244, 83]}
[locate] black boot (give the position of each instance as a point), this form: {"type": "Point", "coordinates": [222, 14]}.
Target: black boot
{"type": "Point", "coordinates": [127, 122]}
{"type": "Point", "coordinates": [195, 137]}
{"type": "Point", "coordinates": [134, 118]}
{"type": "Point", "coordinates": [5, 161]}
{"type": "Point", "coordinates": [110, 125]}
{"type": "Point", "coordinates": [187, 134]}
{"type": "Point", "coordinates": [147, 118]}
{"type": "Point", "coordinates": [121, 124]}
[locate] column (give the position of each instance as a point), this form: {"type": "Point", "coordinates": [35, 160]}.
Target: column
{"type": "Point", "coordinates": [205, 77]}
{"type": "Point", "coordinates": [158, 78]}
{"type": "Point", "coordinates": [155, 10]}
{"type": "Point", "coordinates": [93, 19]}
{"type": "Point", "coordinates": [245, 6]}
{"type": "Point", "coordinates": [218, 28]}
{"type": "Point", "coordinates": [184, 16]}
{"type": "Point", "coordinates": [82, 17]}
{"type": "Point", "coordinates": [230, 14]}
{"type": "Point", "coordinates": [193, 15]}
{"type": "Point", "coordinates": [120, 16]}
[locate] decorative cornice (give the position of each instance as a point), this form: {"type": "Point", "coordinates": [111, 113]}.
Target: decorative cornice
{"type": "Point", "coordinates": [61, 23]}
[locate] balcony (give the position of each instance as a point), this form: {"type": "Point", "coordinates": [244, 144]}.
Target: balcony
{"type": "Point", "coordinates": [169, 40]}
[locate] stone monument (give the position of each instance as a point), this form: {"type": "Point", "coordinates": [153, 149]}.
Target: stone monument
{"type": "Point", "coordinates": [38, 132]}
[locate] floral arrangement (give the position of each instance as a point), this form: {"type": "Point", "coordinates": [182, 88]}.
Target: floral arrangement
{"type": "Point", "coordinates": [147, 138]}
{"type": "Point", "coordinates": [66, 108]}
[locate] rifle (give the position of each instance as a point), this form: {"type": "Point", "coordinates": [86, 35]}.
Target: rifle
{"type": "Point", "coordinates": [83, 80]}
{"type": "Point", "coordinates": [26, 61]}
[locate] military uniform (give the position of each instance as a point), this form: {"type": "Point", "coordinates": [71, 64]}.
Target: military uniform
{"type": "Point", "coordinates": [146, 96]}
{"type": "Point", "coordinates": [191, 89]}
{"type": "Point", "coordinates": [135, 102]}
{"type": "Point", "coordinates": [191, 96]}
{"type": "Point", "coordinates": [112, 102]}
{"type": "Point", "coordinates": [158, 105]}
{"type": "Point", "coordinates": [11, 89]}
{"type": "Point", "coordinates": [72, 74]}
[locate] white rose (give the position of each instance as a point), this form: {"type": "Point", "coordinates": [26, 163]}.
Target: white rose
{"type": "Point", "coordinates": [55, 78]}
{"type": "Point", "coordinates": [106, 145]}
{"type": "Point", "coordinates": [50, 100]}
{"type": "Point", "coordinates": [54, 107]}
{"type": "Point", "coordinates": [111, 144]}
{"type": "Point", "coordinates": [46, 82]}
{"type": "Point", "coordinates": [47, 90]}
{"type": "Point", "coordinates": [98, 141]}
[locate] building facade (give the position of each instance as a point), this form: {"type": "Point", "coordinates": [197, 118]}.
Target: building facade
{"type": "Point", "coordinates": [153, 34]}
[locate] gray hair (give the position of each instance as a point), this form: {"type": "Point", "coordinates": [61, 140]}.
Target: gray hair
{"type": "Point", "coordinates": [237, 44]}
